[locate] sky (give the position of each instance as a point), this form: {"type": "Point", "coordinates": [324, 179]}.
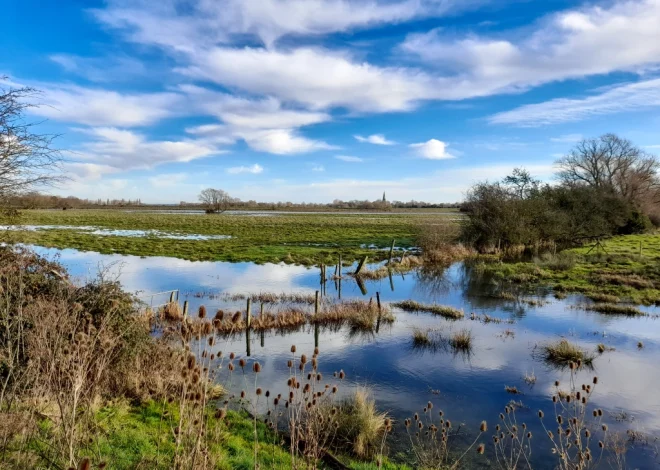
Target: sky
{"type": "Point", "coordinates": [316, 100]}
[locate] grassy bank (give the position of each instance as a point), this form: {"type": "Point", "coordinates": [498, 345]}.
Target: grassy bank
{"type": "Point", "coordinates": [292, 238]}
{"type": "Point", "coordinates": [619, 271]}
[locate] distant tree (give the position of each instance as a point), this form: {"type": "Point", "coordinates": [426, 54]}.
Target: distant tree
{"type": "Point", "coordinates": [27, 159]}
{"type": "Point", "coordinates": [215, 200]}
{"type": "Point", "coordinates": [612, 163]}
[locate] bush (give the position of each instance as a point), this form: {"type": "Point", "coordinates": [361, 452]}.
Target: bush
{"type": "Point", "coordinates": [637, 222]}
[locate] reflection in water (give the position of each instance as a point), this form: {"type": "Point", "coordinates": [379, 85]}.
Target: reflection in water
{"type": "Point", "coordinates": [469, 389]}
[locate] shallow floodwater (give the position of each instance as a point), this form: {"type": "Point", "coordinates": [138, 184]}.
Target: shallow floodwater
{"type": "Point", "coordinates": [468, 388]}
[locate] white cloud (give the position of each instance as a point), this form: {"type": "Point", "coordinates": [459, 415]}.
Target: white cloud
{"type": "Point", "coordinates": [627, 97]}
{"type": "Point", "coordinates": [377, 139]}
{"type": "Point", "coordinates": [318, 168]}
{"type": "Point", "coordinates": [96, 107]}
{"type": "Point", "coordinates": [281, 141]}
{"type": "Point", "coordinates": [348, 158]}
{"type": "Point", "coordinates": [101, 69]}
{"type": "Point", "coordinates": [254, 169]}
{"type": "Point", "coordinates": [114, 150]}
{"type": "Point", "coordinates": [570, 44]}
{"type": "Point", "coordinates": [206, 23]}
{"type": "Point", "coordinates": [432, 149]}
{"type": "Point", "coordinates": [567, 138]}
{"type": "Point", "coordinates": [314, 77]}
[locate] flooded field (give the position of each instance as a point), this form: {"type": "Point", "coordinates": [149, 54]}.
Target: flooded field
{"type": "Point", "coordinates": [470, 386]}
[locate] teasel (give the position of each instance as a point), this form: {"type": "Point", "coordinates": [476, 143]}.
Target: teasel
{"type": "Point", "coordinates": [293, 349]}
{"type": "Point", "coordinates": [191, 362]}
{"type": "Point", "coordinates": [289, 363]}
{"type": "Point", "coordinates": [587, 433]}
{"type": "Point", "coordinates": [529, 435]}
{"type": "Point", "coordinates": [429, 406]}
{"type": "Point", "coordinates": [219, 315]}
{"type": "Point", "coordinates": [242, 393]}
{"type": "Point", "coordinates": [605, 427]}
{"type": "Point", "coordinates": [556, 383]}
{"type": "Point", "coordinates": [601, 444]}
{"type": "Point", "coordinates": [220, 413]}
{"type": "Point", "coordinates": [267, 393]}
{"type": "Point", "coordinates": [232, 356]}
{"type": "Point", "coordinates": [201, 313]}
{"type": "Point", "coordinates": [211, 340]}
{"type": "Point", "coordinates": [259, 391]}
{"type": "Point", "coordinates": [481, 449]}
{"type": "Point", "coordinates": [256, 367]}
{"type": "Point", "coordinates": [600, 412]}
{"type": "Point", "coordinates": [416, 417]}
{"type": "Point", "coordinates": [541, 414]}
{"type": "Point", "coordinates": [315, 363]}
{"type": "Point", "coordinates": [230, 366]}
{"type": "Point", "coordinates": [242, 363]}
{"type": "Point", "coordinates": [497, 427]}
{"type": "Point", "coordinates": [483, 427]}
{"type": "Point", "coordinates": [316, 351]}
{"type": "Point", "coordinates": [85, 464]}
{"type": "Point", "coordinates": [334, 389]}
{"type": "Point", "coordinates": [560, 419]}
{"type": "Point", "coordinates": [303, 359]}
{"type": "Point", "coordinates": [236, 317]}
{"type": "Point", "coordinates": [579, 363]}
{"type": "Point", "coordinates": [341, 375]}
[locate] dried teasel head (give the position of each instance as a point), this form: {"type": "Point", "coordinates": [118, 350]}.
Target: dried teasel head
{"type": "Point", "coordinates": [293, 348]}
{"type": "Point", "coordinates": [483, 427]}
{"type": "Point", "coordinates": [303, 359]}
{"type": "Point", "coordinates": [201, 313]}
{"type": "Point", "coordinates": [481, 449]}
{"type": "Point", "coordinates": [256, 367]}
{"type": "Point", "coordinates": [541, 414]}
{"type": "Point", "coordinates": [242, 363]}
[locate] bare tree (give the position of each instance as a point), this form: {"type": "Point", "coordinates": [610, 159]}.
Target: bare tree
{"type": "Point", "coordinates": [521, 183]}
{"type": "Point", "coordinates": [611, 162]}
{"type": "Point", "coordinates": [27, 159]}
{"type": "Point", "coordinates": [216, 200]}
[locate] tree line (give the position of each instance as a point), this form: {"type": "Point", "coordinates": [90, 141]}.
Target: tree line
{"type": "Point", "coordinates": [604, 186]}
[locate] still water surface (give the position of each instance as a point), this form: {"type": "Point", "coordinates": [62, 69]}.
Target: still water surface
{"type": "Point", "coordinates": [403, 379]}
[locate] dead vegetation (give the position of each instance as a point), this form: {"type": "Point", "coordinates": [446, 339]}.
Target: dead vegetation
{"type": "Point", "coordinates": [442, 310]}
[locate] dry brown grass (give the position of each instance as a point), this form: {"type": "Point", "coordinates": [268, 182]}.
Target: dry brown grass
{"type": "Point", "coordinates": [358, 314]}
{"type": "Point", "coordinates": [563, 353]}
{"type": "Point", "coordinates": [614, 309]}
{"type": "Point", "coordinates": [632, 280]}
{"type": "Point", "coordinates": [442, 310]}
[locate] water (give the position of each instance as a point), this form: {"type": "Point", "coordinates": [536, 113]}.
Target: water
{"type": "Point", "coordinates": [107, 232]}
{"type": "Point", "coordinates": [467, 388]}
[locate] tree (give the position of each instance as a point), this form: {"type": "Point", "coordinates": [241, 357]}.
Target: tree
{"type": "Point", "coordinates": [521, 183]}
{"type": "Point", "coordinates": [216, 200]}
{"type": "Point", "coordinates": [610, 162]}
{"type": "Point", "coordinates": [27, 159]}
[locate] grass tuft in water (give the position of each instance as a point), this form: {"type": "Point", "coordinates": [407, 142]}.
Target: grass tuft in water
{"type": "Point", "coordinates": [564, 353]}
{"type": "Point", "coordinates": [442, 310]}
{"type": "Point", "coordinates": [614, 309]}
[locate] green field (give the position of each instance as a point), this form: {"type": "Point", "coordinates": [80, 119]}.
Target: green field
{"type": "Point", "coordinates": [292, 238]}
{"type": "Point", "coordinates": [619, 269]}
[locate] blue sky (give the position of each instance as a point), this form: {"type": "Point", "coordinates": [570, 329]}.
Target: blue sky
{"type": "Point", "coordinates": [315, 100]}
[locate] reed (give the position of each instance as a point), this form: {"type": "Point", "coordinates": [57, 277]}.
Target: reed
{"type": "Point", "coordinates": [442, 310]}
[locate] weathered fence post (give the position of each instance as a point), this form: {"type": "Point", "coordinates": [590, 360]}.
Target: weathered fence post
{"type": "Point", "coordinates": [316, 303]}
{"type": "Point", "coordinates": [185, 308]}
{"type": "Point", "coordinates": [359, 268]}
{"type": "Point", "coordinates": [391, 252]}
{"type": "Point", "coordinates": [339, 266]}
{"type": "Point", "coordinates": [248, 314]}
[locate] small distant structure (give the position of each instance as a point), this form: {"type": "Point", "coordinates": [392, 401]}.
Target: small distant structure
{"type": "Point", "coordinates": [384, 200]}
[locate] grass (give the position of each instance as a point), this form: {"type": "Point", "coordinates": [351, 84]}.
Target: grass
{"type": "Point", "coordinates": [563, 352]}
{"type": "Point", "coordinates": [421, 338]}
{"type": "Point", "coordinates": [140, 436]}
{"type": "Point", "coordinates": [461, 340]}
{"type": "Point", "coordinates": [620, 274]}
{"type": "Point", "coordinates": [614, 309]}
{"type": "Point", "coordinates": [360, 425]}
{"type": "Point", "coordinates": [442, 310]}
{"type": "Point", "coordinates": [292, 238]}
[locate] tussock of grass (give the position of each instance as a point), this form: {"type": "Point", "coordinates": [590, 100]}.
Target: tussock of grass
{"type": "Point", "coordinates": [449, 253]}
{"type": "Point", "coordinates": [408, 263]}
{"type": "Point", "coordinates": [360, 425]}
{"type": "Point", "coordinates": [614, 309]}
{"type": "Point", "coordinates": [461, 340]}
{"type": "Point", "coordinates": [563, 352]}
{"type": "Point", "coordinates": [485, 318]}
{"type": "Point", "coordinates": [601, 297]}
{"type": "Point", "coordinates": [632, 280]}
{"type": "Point", "coordinates": [601, 348]}
{"type": "Point", "coordinates": [442, 310]}
{"type": "Point", "coordinates": [171, 311]}
{"type": "Point", "coordinates": [421, 337]}
{"type": "Point", "coordinates": [273, 298]}
{"type": "Point", "coordinates": [358, 314]}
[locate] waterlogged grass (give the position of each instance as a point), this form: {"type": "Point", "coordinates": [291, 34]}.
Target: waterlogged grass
{"type": "Point", "coordinates": [618, 274]}
{"type": "Point", "coordinates": [292, 238]}
{"type": "Point", "coordinates": [615, 309]}
{"type": "Point", "coordinates": [563, 352]}
{"type": "Point", "coordinates": [442, 310]}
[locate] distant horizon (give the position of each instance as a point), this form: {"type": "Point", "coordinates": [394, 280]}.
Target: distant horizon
{"type": "Point", "coordinates": [328, 99]}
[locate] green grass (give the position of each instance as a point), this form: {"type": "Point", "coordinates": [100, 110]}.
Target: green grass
{"type": "Point", "coordinates": [620, 274]}
{"type": "Point", "coordinates": [133, 436]}
{"type": "Point", "coordinates": [292, 238]}
{"type": "Point", "coordinates": [614, 309]}
{"type": "Point", "coordinates": [563, 352]}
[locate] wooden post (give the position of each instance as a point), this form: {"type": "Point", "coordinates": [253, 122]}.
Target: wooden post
{"type": "Point", "coordinates": [359, 268]}
{"type": "Point", "coordinates": [316, 334]}
{"type": "Point", "coordinates": [247, 341]}
{"type": "Point", "coordinates": [339, 266]}
{"type": "Point", "coordinates": [389, 273]}
{"type": "Point", "coordinates": [316, 303]}
{"type": "Point", "coordinates": [261, 312]}
{"type": "Point", "coordinates": [360, 283]}
{"type": "Point", "coordinates": [391, 252]}
{"type": "Point", "coordinates": [378, 301]}
{"type": "Point", "coordinates": [262, 338]}
{"type": "Point", "coordinates": [172, 297]}
{"type": "Point", "coordinates": [339, 289]}
{"type": "Point", "coordinates": [185, 308]}
{"type": "Point", "coordinates": [248, 314]}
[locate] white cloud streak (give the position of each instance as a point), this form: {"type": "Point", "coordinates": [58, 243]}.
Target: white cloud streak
{"type": "Point", "coordinates": [349, 158]}
{"type": "Point", "coordinates": [432, 149]}
{"type": "Point", "coordinates": [376, 139]}
{"type": "Point", "coordinates": [627, 97]}
{"type": "Point", "coordinates": [253, 169]}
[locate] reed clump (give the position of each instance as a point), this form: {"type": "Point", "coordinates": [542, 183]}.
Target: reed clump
{"type": "Point", "coordinates": [564, 353]}
{"type": "Point", "coordinates": [442, 310]}
{"type": "Point", "coordinates": [359, 314]}
{"type": "Point", "coordinates": [171, 311]}
{"type": "Point", "coordinates": [461, 340]}
{"type": "Point", "coordinates": [606, 298]}
{"type": "Point", "coordinates": [615, 309]}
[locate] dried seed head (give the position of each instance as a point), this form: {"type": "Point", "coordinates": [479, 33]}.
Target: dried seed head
{"type": "Point", "coordinates": [220, 413]}
{"type": "Point", "coordinates": [259, 391]}
{"type": "Point", "coordinates": [201, 312]}
{"type": "Point", "coordinates": [232, 356]}
{"type": "Point", "coordinates": [481, 449]}
{"type": "Point", "coordinates": [256, 368]}
{"type": "Point", "coordinates": [293, 348]}
{"type": "Point", "coordinates": [600, 412]}
{"type": "Point", "coordinates": [556, 383]}
{"type": "Point", "coordinates": [604, 427]}
{"type": "Point", "coordinates": [541, 414]}
{"type": "Point", "coordinates": [595, 380]}
{"type": "Point", "coordinates": [219, 315]}
{"type": "Point", "coordinates": [429, 406]}
{"type": "Point", "coordinates": [303, 359]}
